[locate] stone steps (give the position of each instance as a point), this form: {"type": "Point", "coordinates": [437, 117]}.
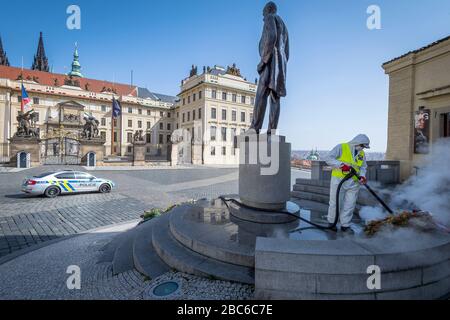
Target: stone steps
{"type": "Point", "coordinates": [212, 241]}
{"type": "Point", "coordinates": [146, 259]}
{"type": "Point", "coordinates": [179, 257]}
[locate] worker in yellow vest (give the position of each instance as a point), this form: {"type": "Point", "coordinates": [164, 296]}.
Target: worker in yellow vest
{"type": "Point", "coordinates": [342, 158]}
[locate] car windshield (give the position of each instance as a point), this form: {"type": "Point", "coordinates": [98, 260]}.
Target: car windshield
{"type": "Point", "coordinates": [43, 175]}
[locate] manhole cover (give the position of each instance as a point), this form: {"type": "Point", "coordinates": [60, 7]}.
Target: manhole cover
{"type": "Point", "coordinates": [165, 289]}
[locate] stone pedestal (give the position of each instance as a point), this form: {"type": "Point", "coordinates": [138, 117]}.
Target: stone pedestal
{"type": "Point", "coordinates": [139, 153]}
{"type": "Point", "coordinates": [95, 146]}
{"type": "Point", "coordinates": [30, 146]}
{"type": "Point", "coordinates": [174, 155]}
{"type": "Point", "coordinates": [264, 171]}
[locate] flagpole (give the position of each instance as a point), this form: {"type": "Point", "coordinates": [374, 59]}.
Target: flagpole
{"type": "Point", "coordinates": [112, 127]}
{"type": "Point", "coordinates": [21, 102]}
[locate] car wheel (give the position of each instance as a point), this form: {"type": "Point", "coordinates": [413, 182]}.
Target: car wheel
{"type": "Point", "coordinates": [105, 188]}
{"type": "Point", "coordinates": [52, 192]}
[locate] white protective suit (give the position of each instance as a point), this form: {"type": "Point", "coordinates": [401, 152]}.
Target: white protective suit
{"type": "Point", "coordinates": [350, 189]}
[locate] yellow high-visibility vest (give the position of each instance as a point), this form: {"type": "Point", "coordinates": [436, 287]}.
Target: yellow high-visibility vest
{"type": "Point", "coordinates": [347, 157]}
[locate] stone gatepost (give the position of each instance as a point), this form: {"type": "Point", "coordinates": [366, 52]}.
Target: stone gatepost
{"type": "Point", "coordinates": [174, 155]}
{"type": "Point", "coordinates": [264, 171]}
{"type": "Point", "coordinates": [96, 146]}
{"type": "Point", "coordinates": [139, 153]}
{"type": "Point", "coordinates": [28, 145]}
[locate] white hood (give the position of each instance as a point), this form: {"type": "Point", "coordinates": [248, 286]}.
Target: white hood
{"type": "Point", "coordinates": [360, 139]}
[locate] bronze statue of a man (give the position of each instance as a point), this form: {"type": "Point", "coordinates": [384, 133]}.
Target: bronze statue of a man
{"type": "Point", "coordinates": [274, 52]}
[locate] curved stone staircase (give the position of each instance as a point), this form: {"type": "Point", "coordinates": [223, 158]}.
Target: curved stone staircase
{"type": "Point", "coordinates": [172, 242]}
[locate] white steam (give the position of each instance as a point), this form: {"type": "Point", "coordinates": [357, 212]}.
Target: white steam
{"type": "Point", "coordinates": [429, 190]}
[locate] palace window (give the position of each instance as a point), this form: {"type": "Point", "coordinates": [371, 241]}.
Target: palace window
{"type": "Point", "coordinates": [130, 110]}
{"type": "Point", "coordinates": [189, 99]}
{"type": "Point", "coordinates": [243, 98]}
{"type": "Point", "coordinates": [184, 101]}
{"type": "Point", "coordinates": [129, 149]}
{"type": "Point", "coordinates": [148, 138]}
{"type": "Point", "coordinates": [213, 113]}
{"type": "Point", "coordinates": [161, 139]}
{"type": "Point", "coordinates": [213, 133]}
{"type": "Point", "coordinates": [224, 133]}
{"type": "Point", "coordinates": [242, 116]}
{"type": "Point", "coordinates": [168, 127]}
{"type": "Point", "coordinates": [103, 121]}
{"type": "Point", "coordinates": [183, 117]}
{"type": "Point", "coordinates": [168, 138]}
{"type": "Point", "coordinates": [139, 124]}
{"type": "Point", "coordinates": [35, 100]}
{"type": "Point", "coordinates": [200, 95]}
{"type": "Point", "coordinates": [234, 97]}
{"type": "Point", "coordinates": [194, 96]}
{"type": "Point", "coordinates": [233, 115]}
{"type": "Point", "coordinates": [161, 126]}
{"type": "Point", "coordinates": [252, 100]}
{"type": "Point", "coordinates": [103, 108]}
{"type": "Point", "coordinates": [213, 151]}
{"type": "Point", "coordinates": [129, 137]}
{"type": "Point", "coordinates": [161, 114]}
{"type": "Point", "coordinates": [149, 112]}
{"type": "Point", "coordinates": [214, 94]}
{"type": "Point", "coordinates": [224, 151]}
{"type": "Point", "coordinates": [168, 114]}
{"type": "Point", "coordinates": [224, 96]}
{"type": "Point", "coordinates": [139, 111]}
{"type": "Point", "coordinates": [193, 115]}
{"type": "Point", "coordinates": [115, 136]}
{"type": "Point", "coordinates": [149, 125]}
{"type": "Point", "coordinates": [103, 135]}
{"type": "Point", "coordinates": [199, 113]}
{"type": "Point", "coordinates": [130, 123]}
{"type": "Point", "coordinates": [224, 114]}
{"type": "Point", "coordinates": [189, 116]}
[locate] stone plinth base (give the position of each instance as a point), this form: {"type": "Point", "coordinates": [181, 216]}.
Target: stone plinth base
{"type": "Point", "coordinates": [30, 146]}
{"type": "Point", "coordinates": [264, 171]}
{"type": "Point", "coordinates": [139, 153]}
{"type": "Point", "coordinates": [285, 215]}
{"type": "Point", "coordinates": [95, 146]}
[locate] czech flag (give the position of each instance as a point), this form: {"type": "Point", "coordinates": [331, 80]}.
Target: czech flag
{"type": "Point", "coordinates": [26, 101]}
{"type": "Point", "coordinates": [116, 108]}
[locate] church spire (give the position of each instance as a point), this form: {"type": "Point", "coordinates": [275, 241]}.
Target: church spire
{"type": "Point", "coordinates": [40, 60]}
{"type": "Point", "coordinates": [76, 67]}
{"type": "Point", "coordinates": [3, 58]}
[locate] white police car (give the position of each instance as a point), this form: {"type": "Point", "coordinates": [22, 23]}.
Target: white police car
{"type": "Point", "coordinates": [52, 184]}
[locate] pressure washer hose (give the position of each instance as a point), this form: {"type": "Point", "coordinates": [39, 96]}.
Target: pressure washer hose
{"type": "Point", "coordinates": [349, 176]}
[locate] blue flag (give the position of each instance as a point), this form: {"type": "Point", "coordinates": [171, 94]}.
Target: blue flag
{"type": "Point", "coordinates": [116, 108]}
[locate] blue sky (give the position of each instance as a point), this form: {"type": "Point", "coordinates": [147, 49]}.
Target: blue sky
{"type": "Point", "coordinates": [336, 86]}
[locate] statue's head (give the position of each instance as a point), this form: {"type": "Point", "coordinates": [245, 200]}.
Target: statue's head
{"type": "Point", "coordinates": [270, 8]}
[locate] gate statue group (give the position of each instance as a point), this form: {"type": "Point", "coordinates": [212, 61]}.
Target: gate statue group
{"type": "Point", "coordinates": [90, 129]}
{"type": "Point", "coordinates": [27, 124]}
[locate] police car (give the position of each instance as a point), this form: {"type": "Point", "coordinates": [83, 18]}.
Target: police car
{"type": "Point", "coordinates": [52, 184]}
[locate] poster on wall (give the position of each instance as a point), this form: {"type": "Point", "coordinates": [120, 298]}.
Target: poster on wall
{"type": "Point", "coordinates": [422, 131]}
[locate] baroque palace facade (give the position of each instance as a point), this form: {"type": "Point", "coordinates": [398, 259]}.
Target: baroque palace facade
{"type": "Point", "coordinates": [216, 105]}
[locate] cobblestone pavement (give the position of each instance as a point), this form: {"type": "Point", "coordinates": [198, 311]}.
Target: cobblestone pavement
{"type": "Point", "coordinates": [30, 276]}
{"type": "Point", "coordinates": [26, 220]}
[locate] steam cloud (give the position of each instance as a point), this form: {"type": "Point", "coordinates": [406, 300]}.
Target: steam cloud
{"type": "Point", "coordinates": [429, 190]}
